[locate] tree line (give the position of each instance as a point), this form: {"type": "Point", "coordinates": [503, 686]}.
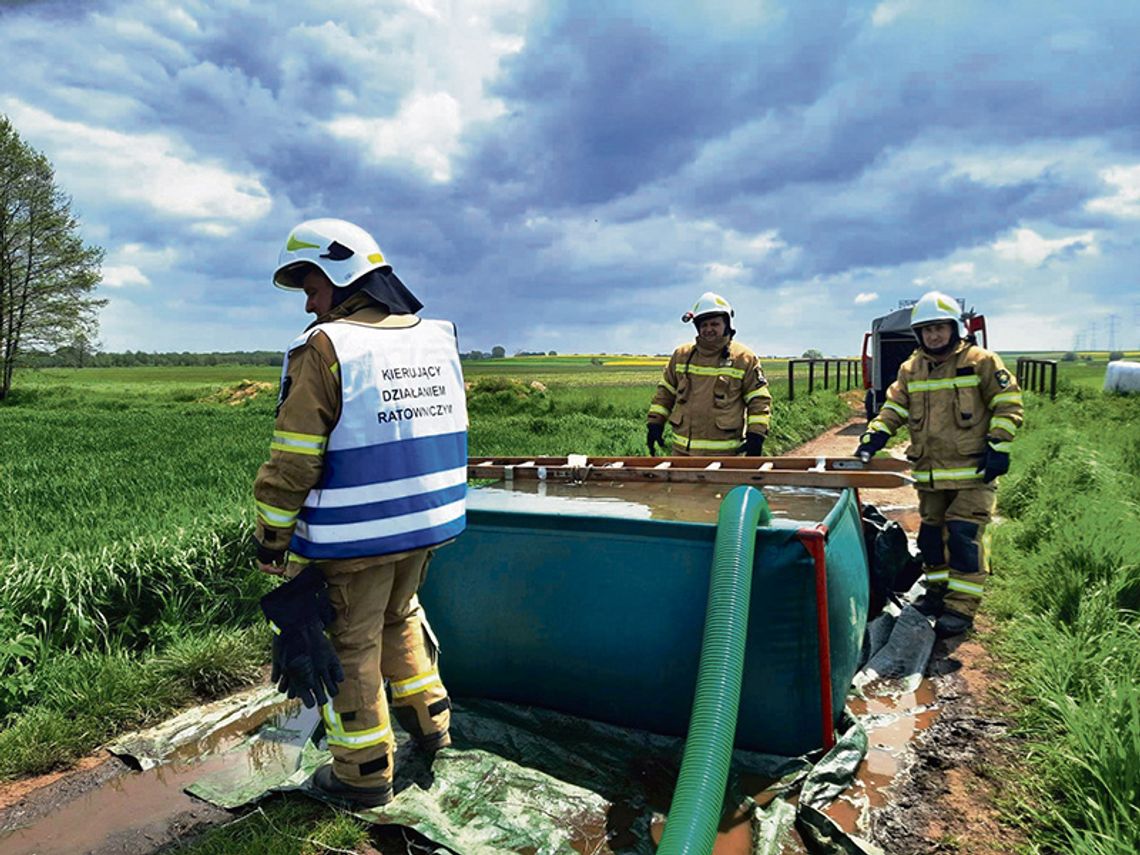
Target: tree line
{"type": "Point", "coordinates": [81, 354]}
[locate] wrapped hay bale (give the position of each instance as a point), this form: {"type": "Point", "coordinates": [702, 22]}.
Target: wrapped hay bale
{"type": "Point", "coordinates": [1122, 376]}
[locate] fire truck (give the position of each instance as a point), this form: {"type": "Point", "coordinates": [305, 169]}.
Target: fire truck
{"type": "Point", "coordinates": [890, 342]}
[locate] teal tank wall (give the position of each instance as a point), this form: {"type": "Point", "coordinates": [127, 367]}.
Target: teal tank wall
{"type": "Point", "coordinates": [602, 617]}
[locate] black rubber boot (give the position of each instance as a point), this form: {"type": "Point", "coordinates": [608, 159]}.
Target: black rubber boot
{"type": "Point", "coordinates": [427, 742]}
{"type": "Point", "coordinates": [330, 785]}
{"type": "Point", "coordinates": [952, 623]}
{"type": "Point", "coordinates": [930, 603]}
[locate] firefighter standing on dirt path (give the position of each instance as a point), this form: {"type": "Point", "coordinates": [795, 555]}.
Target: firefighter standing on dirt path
{"type": "Point", "coordinates": [962, 409]}
{"type": "Point", "coordinates": [367, 473]}
{"type": "Point", "coordinates": [713, 392]}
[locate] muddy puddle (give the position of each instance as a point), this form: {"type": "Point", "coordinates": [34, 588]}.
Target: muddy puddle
{"type": "Point", "coordinates": [140, 810]}
{"type": "Point", "coordinates": [892, 719]}
{"type": "Point", "coordinates": [682, 502]}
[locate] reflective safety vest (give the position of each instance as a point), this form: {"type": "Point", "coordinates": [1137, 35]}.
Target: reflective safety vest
{"type": "Point", "coordinates": [394, 474]}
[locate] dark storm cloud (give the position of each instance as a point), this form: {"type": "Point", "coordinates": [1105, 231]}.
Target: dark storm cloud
{"type": "Point", "coordinates": [602, 103]}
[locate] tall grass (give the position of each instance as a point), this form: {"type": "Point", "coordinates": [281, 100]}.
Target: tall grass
{"type": "Point", "coordinates": [1067, 596]}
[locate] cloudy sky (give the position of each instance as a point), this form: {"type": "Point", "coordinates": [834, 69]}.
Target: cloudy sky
{"type": "Point", "coordinates": [570, 176]}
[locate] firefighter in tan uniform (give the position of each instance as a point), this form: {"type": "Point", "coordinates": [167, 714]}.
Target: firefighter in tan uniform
{"type": "Point", "coordinates": [367, 472]}
{"type": "Point", "coordinates": [713, 393]}
{"type": "Point", "coordinates": [962, 409]}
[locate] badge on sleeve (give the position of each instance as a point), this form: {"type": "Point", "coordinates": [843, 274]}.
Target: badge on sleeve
{"type": "Point", "coordinates": [1002, 377]}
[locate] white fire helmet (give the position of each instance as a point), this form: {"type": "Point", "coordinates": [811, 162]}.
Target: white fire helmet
{"type": "Point", "coordinates": [934, 307]}
{"type": "Point", "coordinates": [709, 304]}
{"type": "Point", "coordinates": [343, 251]}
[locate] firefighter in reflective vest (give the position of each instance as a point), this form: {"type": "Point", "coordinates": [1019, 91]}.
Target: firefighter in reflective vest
{"type": "Point", "coordinates": [962, 409]}
{"type": "Point", "coordinates": [366, 475]}
{"type": "Point", "coordinates": [713, 392]}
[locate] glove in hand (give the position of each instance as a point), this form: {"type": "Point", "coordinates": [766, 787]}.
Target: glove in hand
{"type": "Point", "coordinates": [654, 434]}
{"type": "Point", "coordinates": [305, 665]}
{"type": "Point", "coordinates": [753, 445]}
{"type": "Point", "coordinates": [871, 442]}
{"type": "Point", "coordinates": [993, 462]}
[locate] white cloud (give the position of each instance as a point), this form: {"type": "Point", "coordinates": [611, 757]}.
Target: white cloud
{"type": "Point", "coordinates": [425, 131]}
{"type": "Point", "coordinates": [866, 297]}
{"type": "Point", "coordinates": [715, 271]}
{"type": "Point", "coordinates": [141, 169]}
{"type": "Point", "coordinates": [887, 11]}
{"type": "Point", "coordinates": [118, 275]}
{"type": "Point", "coordinates": [136, 264]}
{"type": "Point", "coordinates": [434, 52]}
{"type": "Point", "coordinates": [1028, 247]}
{"type": "Point", "coordinates": [1126, 201]}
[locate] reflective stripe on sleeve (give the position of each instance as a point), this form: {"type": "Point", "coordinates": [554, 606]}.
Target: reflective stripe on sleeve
{"type": "Point", "coordinates": [999, 422]}
{"type": "Point", "coordinates": [668, 386]}
{"type": "Point", "coordinates": [764, 419]}
{"type": "Point", "coordinates": [898, 408]}
{"type": "Point", "coordinates": [936, 575]}
{"type": "Point", "coordinates": [1005, 398]}
{"type": "Point", "coordinates": [277, 517]}
{"type": "Point", "coordinates": [877, 424]}
{"type": "Point", "coordinates": [755, 393]}
{"type": "Point", "coordinates": [657, 409]}
{"type": "Point", "coordinates": [298, 443]}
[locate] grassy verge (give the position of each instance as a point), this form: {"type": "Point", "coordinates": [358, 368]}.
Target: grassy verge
{"type": "Point", "coordinates": [1067, 598]}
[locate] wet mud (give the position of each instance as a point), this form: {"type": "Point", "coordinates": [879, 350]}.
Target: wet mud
{"type": "Point", "coordinates": [117, 808]}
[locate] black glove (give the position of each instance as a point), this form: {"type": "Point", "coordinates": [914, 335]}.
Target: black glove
{"type": "Point", "coordinates": [754, 445]}
{"type": "Point", "coordinates": [870, 442]}
{"type": "Point", "coordinates": [304, 662]}
{"type": "Point", "coordinates": [654, 434]}
{"type": "Point", "coordinates": [993, 462]}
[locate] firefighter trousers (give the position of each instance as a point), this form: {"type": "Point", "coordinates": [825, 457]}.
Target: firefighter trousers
{"type": "Point", "coordinates": [954, 544]}
{"type": "Point", "coordinates": [380, 633]}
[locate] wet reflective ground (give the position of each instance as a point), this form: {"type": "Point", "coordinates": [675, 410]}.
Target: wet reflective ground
{"type": "Point", "coordinates": [137, 811]}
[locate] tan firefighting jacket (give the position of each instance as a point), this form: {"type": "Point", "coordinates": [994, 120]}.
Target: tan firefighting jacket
{"type": "Point", "coordinates": [951, 408]}
{"type": "Point", "coordinates": [308, 408]}
{"type": "Point", "coordinates": [711, 395]}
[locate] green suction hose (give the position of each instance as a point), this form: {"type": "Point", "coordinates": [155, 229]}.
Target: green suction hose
{"type": "Point", "coordinates": [695, 812]}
